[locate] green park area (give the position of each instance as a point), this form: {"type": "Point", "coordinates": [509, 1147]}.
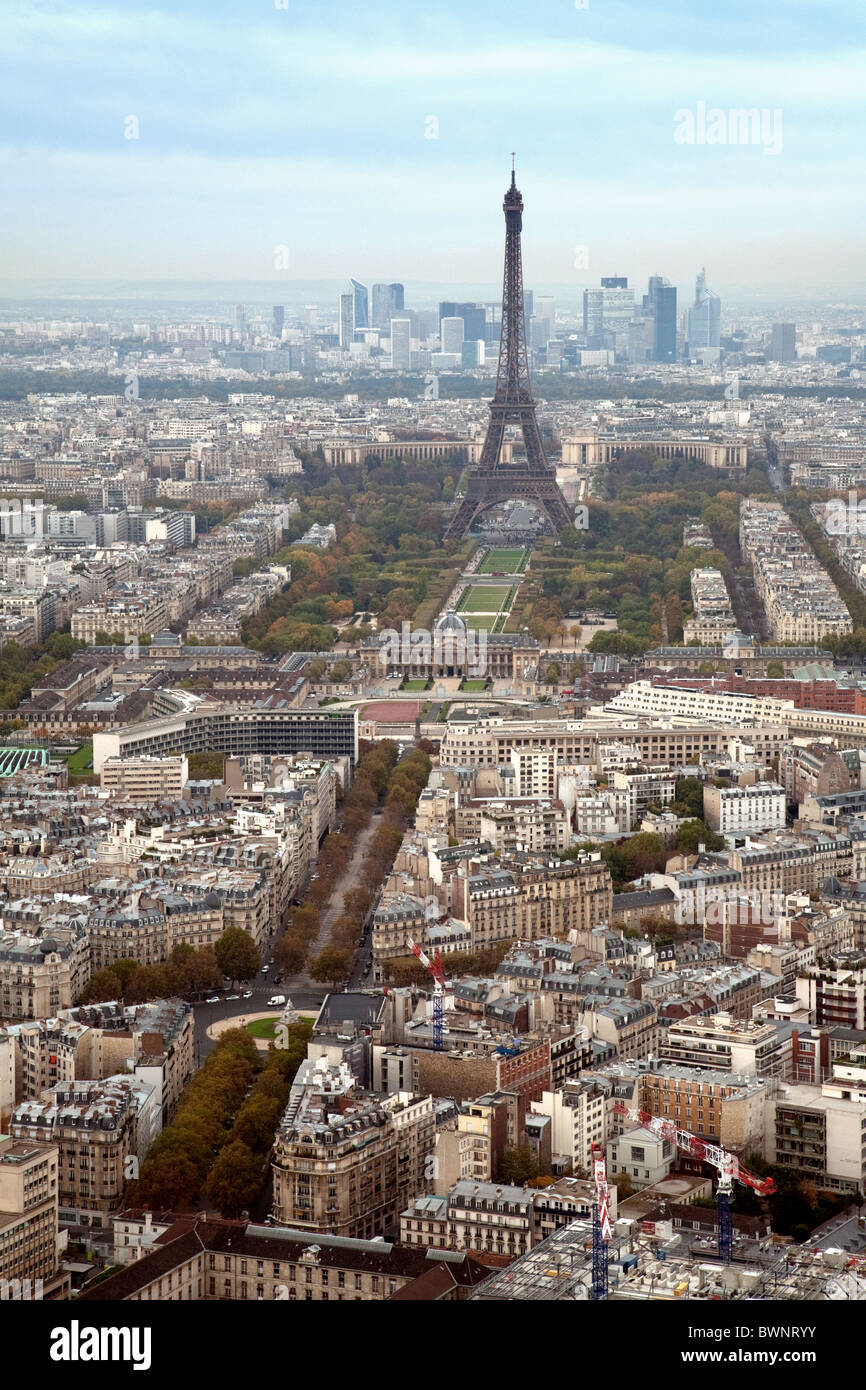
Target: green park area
{"type": "Point", "coordinates": [504, 561]}
{"type": "Point", "coordinates": [484, 598]}
{"type": "Point", "coordinates": [81, 760]}
{"type": "Point", "coordinates": [264, 1027]}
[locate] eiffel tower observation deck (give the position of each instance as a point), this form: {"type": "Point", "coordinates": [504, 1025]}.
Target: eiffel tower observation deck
{"type": "Point", "coordinates": [528, 478]}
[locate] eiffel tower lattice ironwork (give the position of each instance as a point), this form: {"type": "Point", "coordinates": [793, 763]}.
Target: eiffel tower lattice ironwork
{"type": "Point", "coordinates": [529, 479]}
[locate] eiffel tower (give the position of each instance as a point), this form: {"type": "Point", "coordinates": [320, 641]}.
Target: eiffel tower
{"type": "Point", "coordinates": [529, 479]}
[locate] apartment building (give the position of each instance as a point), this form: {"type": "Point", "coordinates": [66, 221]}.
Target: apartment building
{"type": "Point", "coordinates": [524, 898]}
{"type": "Point", "coordinates": [577, 1111]}
{"type": "Point", "coordinates": [723, 1107]}
{"type": "Point", "coordinates": [154, 1042]}
{"type": "Point", "coordinates": [233, 1260]}
{"type": "Point", "coordinates": [145, 778]}
{"type": "Point", "coordinates": [29, 1186]}
{"type": "Point", "coordinates": [800, 601]}
{"type": "Point", "coordinates": [712, 621]}
{"type": "Point", "coordinates": [640, 1156]}
{"type": "Point", "coordinates": [132, 616]}
{"type": "Point", "coordinates": [481, 1217]}
{"type": "Point", "coordinates": [723, 1043]}
{"type": "Point", "coordinates": [835, 995]}
{"type": "Point", "coordinates": [745, 810]}
{"type": "Point", "coordinates": [102, 1130]}
{"type": "Point", "coordinates": [539, 745]}
{"type": "Point", "coordinates": [347, 1162]}
{"type": "Point", "coordinates": [41, 974]}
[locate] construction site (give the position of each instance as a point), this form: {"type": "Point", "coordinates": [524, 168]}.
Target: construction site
{"type": "Point", "coordinates": [661, 1266]}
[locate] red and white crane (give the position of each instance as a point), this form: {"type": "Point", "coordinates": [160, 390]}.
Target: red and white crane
{"type": "Point", "coordinates": [436, 970]}
{"type": "Point", "coordinates": [601, 1228]}
{"type": "Point", "coordinates": [727, 1165]}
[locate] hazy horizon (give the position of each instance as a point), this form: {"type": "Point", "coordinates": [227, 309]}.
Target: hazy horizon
{"type": "Point", "coordinates": [214, 142]}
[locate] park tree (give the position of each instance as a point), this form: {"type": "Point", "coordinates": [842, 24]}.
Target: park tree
{"type": "Point", "coordinates": [290, 952]}
{"type": "Point", "coordinates": [330, 966]}
{"type": "Point", "coordinates": [237, 954]}
{"type": "Point", "coordinates": [235, 1180]}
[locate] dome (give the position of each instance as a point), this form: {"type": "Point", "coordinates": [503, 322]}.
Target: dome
{"type": "Point", "coordinates": [450, 622]}
{"type": "Point", "coordinates": [49, 946]}
{"type": "Point", "coordinates": [212, 900]}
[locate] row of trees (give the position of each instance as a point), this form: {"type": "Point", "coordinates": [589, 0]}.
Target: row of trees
{"type": "Point", "coordinates": [187, 972]}
{"type": "Point", "coordinates": [378, 773]}
{"type": "Point", "coordinates": [217, 1145]}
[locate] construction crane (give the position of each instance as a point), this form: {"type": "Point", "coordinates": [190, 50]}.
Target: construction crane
{"type": "Point", "coordinates": [726, 1164]}
{"type": "Point", "coordinates": [601, 1229]}
{"type": "Point", "coordinates": [435, 968]}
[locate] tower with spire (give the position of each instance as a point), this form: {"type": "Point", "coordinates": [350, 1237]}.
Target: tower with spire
{"type": "Point", "coordinates": [529, 478]}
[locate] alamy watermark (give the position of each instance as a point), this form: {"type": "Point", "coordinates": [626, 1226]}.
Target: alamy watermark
{"type": "Point", "coordinates": [734, 907]}
{"type": "Point", "coordinates": [843, 518]}
{"type": "Point", "coordinates": [21, 1291]}
{"type": "Point", "coordinates": [20, 516]}
{"type": "Point", "coordinates": [739, 125]}
{"type": "Point", "coordinates": [418, 647]}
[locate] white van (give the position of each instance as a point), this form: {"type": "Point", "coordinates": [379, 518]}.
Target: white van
{"type": "Point", "coordinates": [276, 999]}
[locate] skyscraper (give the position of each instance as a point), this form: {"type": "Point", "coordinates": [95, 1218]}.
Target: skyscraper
{"type": "Point", "coordinates": [240, 320]}
{"type": "Point", "coordinates": [452, 333]}
{"type": "Point", "coordinates": [593, 312]}
{"type": "Point", "coordinates": [360, 293]}
{"type": "Point", "coordinates": [705, 317]}
{"type": "Point", "coordinates": [401, 342]}
{"type": "Point", "coordinates": [545, 308]}
{"type": "Point", "coordinates": [386, 303]}
{"type": "Point", "coordinates": [783, 343]}
{"type": "Point", "coordinates": [278, 319]}
{"type": "Point", "coordinates": [473, 317]}
{"type": "Point", "coordinates": [663, 303]}
{"type": "Point", "coordinates": [347, 321]}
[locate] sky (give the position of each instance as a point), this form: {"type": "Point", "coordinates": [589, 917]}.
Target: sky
{"type": "Point", "coordinates": [260, 140]}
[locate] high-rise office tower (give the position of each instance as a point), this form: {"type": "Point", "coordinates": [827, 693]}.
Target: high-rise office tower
{"type": "Point", "coordinates": [240, 320]}
{"type": "Point", "coordinates": [347, 321]}
{"type": "Point", "coordinates": [452, 333]}
{"type": "Point", "coordinates": [471, 353]}
{"type": "Point", "coordinates": [593, 312]}
{"type": "Point", "coordinates": [473, 315]}
{"type": "Point", "coordinates": [528, 304]}
{"type": "Point", "coordinates": [663, 302]}
{"type": "Point", "coordinates": [545, 308]}
{"type": "Point", "coordinates": [278, 319]}
{"type": "Point", "coordinates": [783, 343]}
{"type": "Point", "coordinates": [359, 291]}
{"type": "Point", "coordinates": [401, 342]}
{"type": "Point", "coordinates": [387, 302]}
{"type": "Point", "coordinates": [614, 282]}
{"type": "Point", "coordinates": [705, 317]}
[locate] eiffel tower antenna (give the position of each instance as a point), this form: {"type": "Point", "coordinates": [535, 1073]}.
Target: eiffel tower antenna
{"type": "Point", "coordinates": [531, 479]}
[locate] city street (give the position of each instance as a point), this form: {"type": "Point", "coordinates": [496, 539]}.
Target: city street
{"type": "Point", "coordinates": [305, 997]}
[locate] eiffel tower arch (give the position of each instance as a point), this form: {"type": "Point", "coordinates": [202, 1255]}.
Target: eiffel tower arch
{"type": "Point", "coordinates": [529, 479]}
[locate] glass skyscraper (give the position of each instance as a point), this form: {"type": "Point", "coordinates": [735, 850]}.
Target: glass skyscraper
{"type": "Point", "coordinates": [360, 295]}
{"type": "Point", "coordinates": [705, 317]}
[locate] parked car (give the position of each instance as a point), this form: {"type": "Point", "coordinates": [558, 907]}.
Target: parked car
{"type": "Point", "coordinates": [233, 996]}
{"type": "Point", "coordinates": [265, 969]}
{"type": "Point", "coordinates": [247, 994]}
{"type": "Point", "coordinates": [213, 999]}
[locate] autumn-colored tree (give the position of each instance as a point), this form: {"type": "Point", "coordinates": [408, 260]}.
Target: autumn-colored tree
{"type": "Point", "coordinates": [330, 966]}
{"type": "Point", "coordinates": [237, 954]}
